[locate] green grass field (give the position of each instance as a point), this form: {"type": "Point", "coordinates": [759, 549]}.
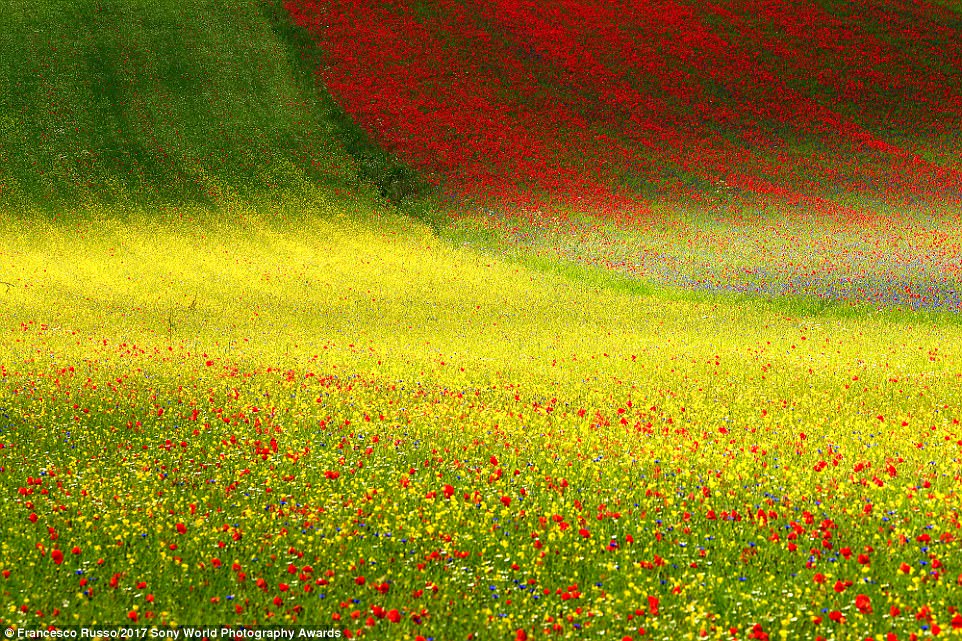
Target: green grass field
{"type": "Point", "coordinates": [253, 374]}
{"type": "Point", "coordinates": [163, 103]}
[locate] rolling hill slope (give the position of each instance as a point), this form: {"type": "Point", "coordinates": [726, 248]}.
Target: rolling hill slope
{"type": "Point", "coordinates": [237, 389]}
{"type": "Point", "coordinates": [813, 103]}
{"type": "Point", "coordinates": [168, 102]}
{"type": "Point", "coordinates": [608, 105]}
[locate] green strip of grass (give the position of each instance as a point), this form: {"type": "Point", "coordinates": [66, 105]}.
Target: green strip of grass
{"type": "Point", "coordinates": [169, 102]}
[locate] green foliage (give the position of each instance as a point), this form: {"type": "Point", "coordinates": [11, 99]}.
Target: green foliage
{"type": "Point", "coordinates": [950, 4]}
{"type": "Point", "coordinates": [168, 102]}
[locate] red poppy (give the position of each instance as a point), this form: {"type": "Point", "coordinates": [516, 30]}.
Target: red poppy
{"type": "Point", "coordinates": [653, 605]}
{"type": "Point", "coordinates": [957, 621]}
{"type": "Point", "coordinates": [863, 604]}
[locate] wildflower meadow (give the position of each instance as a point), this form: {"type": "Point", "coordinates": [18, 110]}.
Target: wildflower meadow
{"type": "Point", "coordinates": [298, 330]}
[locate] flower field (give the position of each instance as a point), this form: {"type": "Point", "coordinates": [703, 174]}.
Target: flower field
{"type": "Point", "coordinates": [433, 319]}
{"type": "Point", "coordinates": [812, 102]}
{"type": "Point", "coordinates": [352, 423]}
{"type": "Point", "coordinates": [903, 259]}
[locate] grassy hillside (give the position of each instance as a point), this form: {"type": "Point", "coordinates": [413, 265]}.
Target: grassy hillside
{"type": "Point", "coordinates": [204, 101]}
{"type": "Point", "coordinates": [167, 101]}
{"type": "Point", "coordinates": [239, 388]}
